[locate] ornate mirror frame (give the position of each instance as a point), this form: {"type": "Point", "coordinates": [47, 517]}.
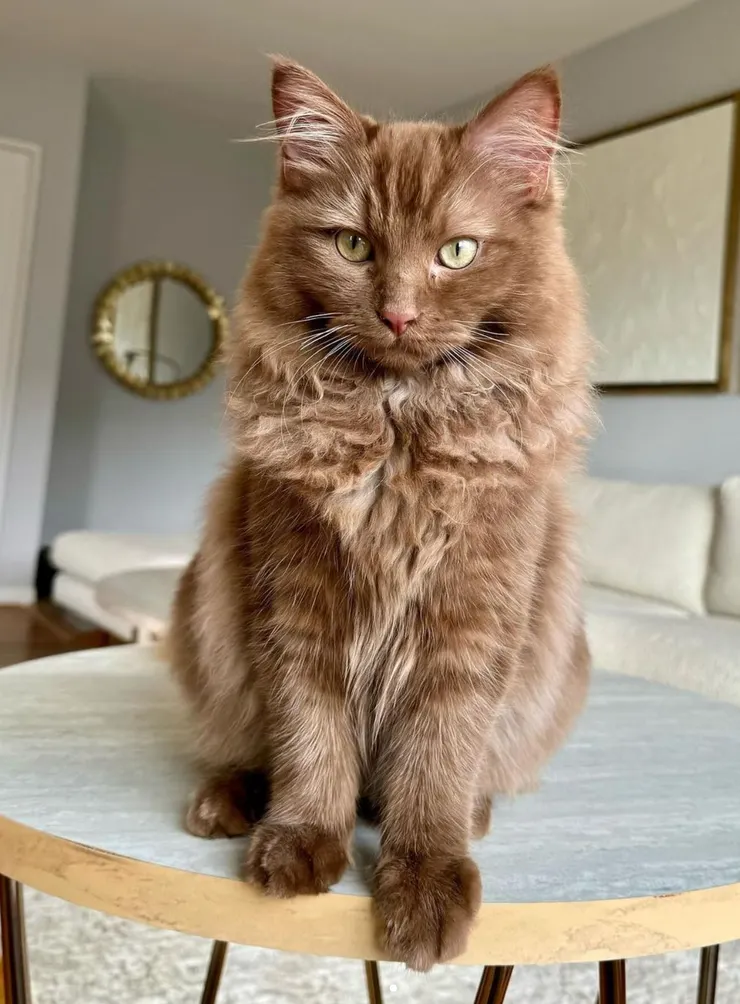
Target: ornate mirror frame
{"type": "Point", "coordinates": [104, 322]}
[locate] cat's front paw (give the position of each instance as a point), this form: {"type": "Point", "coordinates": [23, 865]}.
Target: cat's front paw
{"type": "Point", "coordinates": [426, 906]}
{"type": "Point", "coordinates": [228, 805]}
{"type": "Point", "coordinates": [293, 860]}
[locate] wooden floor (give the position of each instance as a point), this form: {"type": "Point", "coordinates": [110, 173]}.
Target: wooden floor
{"type": "Point", "coordinates": [40, 630]}
{"type": "Point", "coordinates": [23, 636]}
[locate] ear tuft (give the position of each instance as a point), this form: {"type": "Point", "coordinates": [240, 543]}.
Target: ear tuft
{"type": "Point", "coordinates": [521, 129]}
{"type": "Point", "coordinates": [311, 121]}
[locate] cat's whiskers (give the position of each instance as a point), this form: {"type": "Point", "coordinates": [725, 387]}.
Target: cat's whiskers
{"type": "Point", "coordinates": [501, 382]}
{"type": "Point", "coordinates": [511, 347]}
{"type": "Point", "coordinates": [315, 368]}
{"type": "Point", "coordinates": [292, 385]}
{"type": "Point", "coordinates": [264, 351]}
{"type": "Point", "coordinates": [309, 317]}
{"type": "Point", "coordinates": [321, 336]}
{"type": "Point", "coordinates": [500, 387]}
{"type": "Point", "coordinates": [267, 352]}
{"type": "Point", "coordinates": [474, 368]}
{"type": "Point", "coordinates": [305, 370]}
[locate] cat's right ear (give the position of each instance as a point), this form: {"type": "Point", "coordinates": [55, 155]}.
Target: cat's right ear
{"type": "Point", "coordinates": [520, 129]}
{"type": "Point", "coordinates": [311, 122]}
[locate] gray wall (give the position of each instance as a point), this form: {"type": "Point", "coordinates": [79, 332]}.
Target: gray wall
{"type": "Point", "coordinates": [42, 102]}
{"type": "Point", "coordinates": [670, 63]}
{"type": "Point", "coordinates": [157, 182]}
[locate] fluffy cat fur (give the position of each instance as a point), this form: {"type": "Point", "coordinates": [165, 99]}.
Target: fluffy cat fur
{"type": "Point", "coordinates": [385, 601]}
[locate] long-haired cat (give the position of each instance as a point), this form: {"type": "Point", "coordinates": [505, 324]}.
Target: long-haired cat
{"type": "Point", "coordinates": [385, 601]}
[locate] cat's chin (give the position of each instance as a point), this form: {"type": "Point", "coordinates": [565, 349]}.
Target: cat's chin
{"type": "Point", "coordinates": [399, 359]}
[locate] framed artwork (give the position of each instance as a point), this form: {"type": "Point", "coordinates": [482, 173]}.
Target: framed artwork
{"type": "Point", "coordinates": [652, 214]}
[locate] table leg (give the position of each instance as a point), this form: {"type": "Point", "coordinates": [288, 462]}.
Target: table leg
{"type": "Point", "coordinates": [16, 984]}
{"type": "Point", "coordinates": [215, 970]}
{"type": "Point", "coordinates": [612, 983]}
{"type": "Point", "coordinates": [372, 978]}
{"type": "Point", "coordinates": [708, 975]}
{"type": "Point", "coordinates": [493, 985]}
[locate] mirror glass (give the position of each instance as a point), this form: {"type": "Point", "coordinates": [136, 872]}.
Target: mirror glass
{"type": "Point", "coordinates": [158, 328]}
{"type": "Point", "coordinates": [162, 332]}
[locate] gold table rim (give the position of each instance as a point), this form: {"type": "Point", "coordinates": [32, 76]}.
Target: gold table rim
{"type": "Point", "coordinates": [343, 925]}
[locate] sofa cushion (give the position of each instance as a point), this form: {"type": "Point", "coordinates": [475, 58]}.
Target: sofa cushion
{"type": "Point", "coordinates": [723, 583]}
{"type": "Point", "coordinates": [78, 597]}
{"type": "Point", "coordinates": [90, 556]}
{"type": "Point", "coordinates": [652, 540]}
{"type": "Point", "coordinates": [144, 595]}
{"type": "Point", "coordinates": [601, 600]}
{"type": "Point", "coordinates": [695, 653]}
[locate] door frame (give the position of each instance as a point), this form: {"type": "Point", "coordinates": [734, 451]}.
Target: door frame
{"type": "Point", "coordinates": [11, 346]}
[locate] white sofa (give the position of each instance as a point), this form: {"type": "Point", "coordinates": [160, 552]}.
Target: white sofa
{"type": "Point", "coordinates": [662, 564]}
{"type": "Point", "coordinates": [85, 558]}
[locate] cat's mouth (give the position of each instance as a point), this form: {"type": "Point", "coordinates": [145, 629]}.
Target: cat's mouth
{"type": "Point", "coordinates": [337, 343]}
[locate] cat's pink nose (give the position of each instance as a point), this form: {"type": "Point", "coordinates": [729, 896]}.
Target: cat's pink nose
{"type": "Point", "coordinates": [397, 320]}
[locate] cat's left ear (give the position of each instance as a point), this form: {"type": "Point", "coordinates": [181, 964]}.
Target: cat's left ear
{"type": "Point", "coordinates": [521, 129]}
{"type": "Point", "coordinates": [311, 121]}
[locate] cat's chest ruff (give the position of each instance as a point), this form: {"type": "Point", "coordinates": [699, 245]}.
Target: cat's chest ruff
{"type": "Point", "coordinates": [383, 478]}
{"type": "Point", "coordinates": [389, 504]}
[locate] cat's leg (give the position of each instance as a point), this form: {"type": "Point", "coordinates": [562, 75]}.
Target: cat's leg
{"type": "Point", "coordinates": [427, 888]}
{"type": "Point", "coordinates": [302, 845]}
{"type": "Point", "coordinates": [234, 793]}
{"type": "Point", "coordinates": [228, 804]}
{"type": "Point", "coordinates": [213, 661]}
{"type": "Point", "coordinates": [481, 821]}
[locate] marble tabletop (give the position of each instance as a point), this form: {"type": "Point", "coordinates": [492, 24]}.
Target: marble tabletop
{"type": "Point", "coordinates": [643, 801]}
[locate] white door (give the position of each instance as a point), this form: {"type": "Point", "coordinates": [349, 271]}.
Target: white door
{"type": "Point", "coordinates": [20, 165]}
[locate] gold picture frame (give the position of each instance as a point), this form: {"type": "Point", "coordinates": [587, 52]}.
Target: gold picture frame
{"type": "Point", "coordinates": [104, 322]}
{"type": "Point", "coordinates": [730, 252]}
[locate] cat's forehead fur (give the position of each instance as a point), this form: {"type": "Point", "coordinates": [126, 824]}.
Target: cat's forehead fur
{"type": "Point", "coordinates": [406, 182]}
{"type": "Point", "coordinates": [417, 174]}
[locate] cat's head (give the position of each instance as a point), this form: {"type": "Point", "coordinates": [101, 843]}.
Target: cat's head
{"type": "Point", "coordinates": [405, 245]}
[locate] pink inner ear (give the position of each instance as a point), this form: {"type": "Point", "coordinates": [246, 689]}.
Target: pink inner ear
{"type": "Point", "coordinates": [307, 137]}
{"type": "Point", "coordinates": [520, 129]}
{"type": "Point", "coordinates": [309, 117]}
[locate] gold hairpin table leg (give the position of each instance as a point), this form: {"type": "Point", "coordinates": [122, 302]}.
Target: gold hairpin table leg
{"type": "Point", "coordinates": [215, 971]}
{"type": "Point", "coordinates": [372, 978]}
{"type": "Point", "coordinates": [493, 985]}
{"type": "Point", "coordinates": [612, 983]}
{"type": "Point", "coordinates": [708, 975]}
{"type": "Point", "coordinates": [16, 984]}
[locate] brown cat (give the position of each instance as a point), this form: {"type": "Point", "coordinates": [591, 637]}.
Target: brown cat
{"type": "Point", "coordinates": [386, 597]}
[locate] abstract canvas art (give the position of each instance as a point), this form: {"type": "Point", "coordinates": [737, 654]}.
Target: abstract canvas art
{"type": "Point", "coordinates": [651, 214]}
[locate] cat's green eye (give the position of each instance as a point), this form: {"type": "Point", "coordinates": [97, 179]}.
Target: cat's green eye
{"type": "Point", "coordinates": [458, 253]}
{"type": "Point", "coordinates": [352, 246]}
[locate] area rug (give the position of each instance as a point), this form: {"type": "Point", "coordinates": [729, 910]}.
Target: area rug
{"type": "Point", "coordinates": [81, 957]}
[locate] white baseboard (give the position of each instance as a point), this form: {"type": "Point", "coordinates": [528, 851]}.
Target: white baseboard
{"type": "Point", "coordinates": [17, 594]}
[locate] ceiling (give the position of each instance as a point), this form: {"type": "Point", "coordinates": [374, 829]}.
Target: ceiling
{"type": "Point", "coordinates": [408, 57]}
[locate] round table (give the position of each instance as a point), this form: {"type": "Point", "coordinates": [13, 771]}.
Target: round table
{"type": "Point", "coordinates": [631, 845]}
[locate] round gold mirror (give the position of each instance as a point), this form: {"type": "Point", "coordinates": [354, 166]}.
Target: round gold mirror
{"type": "Point", "coordinates": [158, 329]}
